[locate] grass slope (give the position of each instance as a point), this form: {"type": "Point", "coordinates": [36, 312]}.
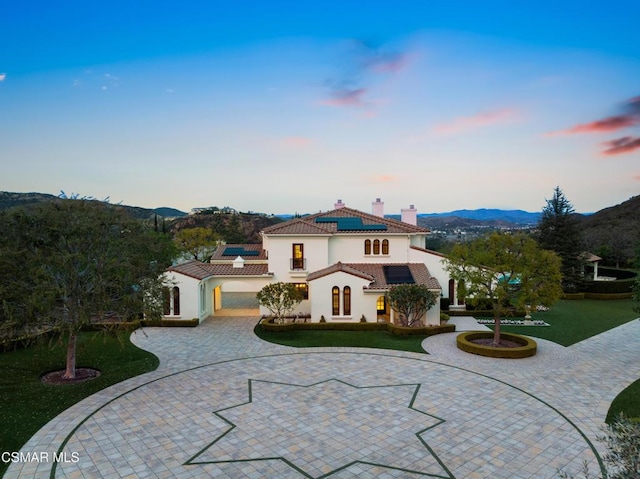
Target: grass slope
{"type": "Point", "coordinates": [26, 404]}
{"type": "Point", "coordinates": [574, 321]}
{"type": "Point", "coordinates": [345, 339]}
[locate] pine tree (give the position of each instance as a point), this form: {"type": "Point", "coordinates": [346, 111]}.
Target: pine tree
{"type": "Point", "coordinates": [559, 231]}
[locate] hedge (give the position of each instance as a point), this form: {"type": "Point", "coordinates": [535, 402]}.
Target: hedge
{"type": "Point", "coordinates": [464, 342]}
{"type": "Point", "coordinates": [268, 325]}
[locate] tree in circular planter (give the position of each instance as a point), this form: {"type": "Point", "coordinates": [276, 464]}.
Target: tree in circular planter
{"type": "Point", "coordinates": [511, 271]}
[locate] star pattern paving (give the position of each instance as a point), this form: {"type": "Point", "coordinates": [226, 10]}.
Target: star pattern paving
{"type": "Point", "coordinates": [327, 427]}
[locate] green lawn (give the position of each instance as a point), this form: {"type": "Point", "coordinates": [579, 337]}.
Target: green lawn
{"type": "Point", "coordinates": [574, 321]}
{"type": "Point", "coordinates": [346, 339]}
{"type": "Point", "coordinates": [26, 404]}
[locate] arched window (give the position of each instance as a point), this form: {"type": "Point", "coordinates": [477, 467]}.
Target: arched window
{"type": "Point", "coordinates": [166, 301]}
{"type": "Point", "coordinates": [335, 301]}
{"type": "Point", "coordinates": [346, 301]}
{"type": "Point", "coordinates": [171, 301]}
{"type": "Point", "coordinates": [385, 246]}
{"type": "Point", "coordinates": [367, 246]}
{"type": "Point", "coordinates": [176, 300]}
{"type": "Point", "coordinates": [376, 246]}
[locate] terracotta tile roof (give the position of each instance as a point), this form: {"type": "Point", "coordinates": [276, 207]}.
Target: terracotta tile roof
{"type": "Point", "coordinates": [375, 273]}
{"type": "Point", "coordinates": [430, 251]}
{"type": "Point", "coordinates": [334, 268]}
{"type": "Point", "coordinates": [198, 270]}
{"type": "Point", "coordinates": [218, 254]}
{"type": "Point", "coordinates": [307, 224]}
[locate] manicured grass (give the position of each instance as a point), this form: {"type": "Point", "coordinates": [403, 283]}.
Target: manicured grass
{"type": "Point", "coordinates": [26, 404]}
{"type": "Point", "coordinates": [628, 402]}
{"type": "Point", "coordinates": [574, 321]}
{"type": "Point", "coordinates": [346, 339]}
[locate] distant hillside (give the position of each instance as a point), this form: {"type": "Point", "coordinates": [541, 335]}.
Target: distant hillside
{"type": "Point", "coordinates": [234, 228]}
{"type": "Point", "coordinates": [9, 200]}
{"type": "Point", "coordinates": [518, 217]}
{"type": "Point", "coordinates": [476, 218]}
{"type": "Point", "coordinates": [614, 233]}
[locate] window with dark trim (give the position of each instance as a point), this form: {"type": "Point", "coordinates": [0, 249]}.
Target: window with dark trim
{"type": "Point", "coordinates": [166, 301]}
{"type": "Point", "coordinates": [367, 246]}
{"type": "Point", "coordinates": [376, 246]}
{"type": "Point", "coordinates": [385, 246]}
{"type": "Point", "coordinates": [176, 300]}
{"type": "Point", "coordinates": [335, 301]}
{"type": "Point", "coordinates": [346, 301]}
{"type": "Point", "coordinates": [297, 256]}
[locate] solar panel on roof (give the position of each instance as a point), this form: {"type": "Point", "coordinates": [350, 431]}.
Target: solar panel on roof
{"type": "Point", "coordinates": [239, 251]}
{"type": "Point", "coordinates": [398, 274]}
{"type": "Point", "coordinates": [349, 223]}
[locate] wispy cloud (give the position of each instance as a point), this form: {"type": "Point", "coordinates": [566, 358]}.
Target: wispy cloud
{"type": "Point", "coordinates": [385, 179]}
{"type": "Point", "coordinates": [296, 143]}
{"type": "Point", "coordinates": [628, 118]}
{"type": "Point", "coordinates": [611, 123]}
{"type": "Point", "coordinates": [3, 76]}
{"type": "Point", "coordinates": [363, 63]}
{"type": "Point", "coordinates": [480, 120]}
{"type": "Point", "coordinates": [636, 177]}
{"type": "Point", "coordinates": [626, 144]}
{"type": "Point", "coordinates": [344, 96]}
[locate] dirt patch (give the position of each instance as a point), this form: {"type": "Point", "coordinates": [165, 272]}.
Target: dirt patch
{"type": "Point", "coordinates": [502, 344]}
{"type": "Point", "coordinates": [82, 375]}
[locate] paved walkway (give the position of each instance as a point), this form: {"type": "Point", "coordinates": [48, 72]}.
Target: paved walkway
{"type": "Point", "coordinates": [225, 404]}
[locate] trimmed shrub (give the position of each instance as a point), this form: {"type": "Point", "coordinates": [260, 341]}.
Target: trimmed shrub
{"type": "Point", "coordinates": [445, 303]}
{"type": "Point", "coordinates": [528, 348]}
{"type": "Point", "coordinates": [269, 325]}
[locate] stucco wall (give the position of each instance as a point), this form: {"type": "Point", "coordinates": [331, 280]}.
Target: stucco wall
{"type": "Point", "coordinates": [361, 303]}
{"type": "Point", "coordinates": [190, 306]}
{"type": "Point", "coordinates": [350, 249]}
{"type": "Point", "coordinates": [280, 254]}
{"type": "Point", "coordinates": [435, 265]}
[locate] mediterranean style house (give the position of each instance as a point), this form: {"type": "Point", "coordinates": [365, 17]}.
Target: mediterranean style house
{"type": "Point", "coordinates": [343, 261]}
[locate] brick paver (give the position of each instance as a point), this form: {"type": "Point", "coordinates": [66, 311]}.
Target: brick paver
{"type": "Point", "coordinates": [224, 403]}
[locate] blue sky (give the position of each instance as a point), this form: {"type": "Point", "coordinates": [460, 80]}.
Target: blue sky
{"type": "Point", "coordinates": [286, 106]}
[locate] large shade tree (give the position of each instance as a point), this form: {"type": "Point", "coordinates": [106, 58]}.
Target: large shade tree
{"type": "Point", "coordinates": [76, 262]}
{"type": "Point", "coordinates": [559, 231]}
{"type": "Point", "coordinates": [512, 271]}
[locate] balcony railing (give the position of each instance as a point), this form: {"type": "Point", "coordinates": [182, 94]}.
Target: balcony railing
{"type": "Point", "coordinates": [298, 264]}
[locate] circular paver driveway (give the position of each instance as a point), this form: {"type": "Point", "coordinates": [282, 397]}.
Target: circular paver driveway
{"type": "Point", "coordinates": [226, 404]}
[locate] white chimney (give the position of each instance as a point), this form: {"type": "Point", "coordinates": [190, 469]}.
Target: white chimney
{"type": "Point", "coordinates": [377, 208]}
{"type": "Point", "coordinates": [339, 204]}
{"type": "Point", "coordinates": [409, 215]}
{"type": "Point", "coordinates": [238, 262]}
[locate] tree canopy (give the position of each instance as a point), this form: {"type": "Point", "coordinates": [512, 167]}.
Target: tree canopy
{"type": "Point", "coordinates": [199, 243]}
{"type": "Point", "coordinates": [411, 302]}
{"type": "Point", "coordinates": [512, 271]}
{"type": "Point", "coordinates": [75, 262]}
{"type": "Point", "coordinates": [559, 231]}
{"type": "Point", "coordinates": [279, 298]}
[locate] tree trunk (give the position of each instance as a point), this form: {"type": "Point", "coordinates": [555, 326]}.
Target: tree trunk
{"type": "Point", "coordinates": [496, 330]}
{"type": "Point", "coordinates": [70, 372]}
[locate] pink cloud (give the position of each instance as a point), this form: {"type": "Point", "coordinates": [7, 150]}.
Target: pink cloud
{"type": "Point", "coordinates": [346, 97]}
{"type": "Point", "coordinates": [296, 142]}
{"type": "Point", "coordinates": [611, 123]}
{"type": "Point", "coordinates": [474, 122]}
{"type": "Point", "coordinates": [626, 144]}
{"type": "Point", "coordinates": [385, 178]}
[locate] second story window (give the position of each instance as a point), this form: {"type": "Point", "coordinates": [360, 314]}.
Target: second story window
{"type": "Point", "coordinates": [376, 246]}
{"type": "Point", "coordinates": [385, 246]}
{"type": "Point", "coordinates": [367, 246]}
{"type": "Point", "coordinates": [297, 255]}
